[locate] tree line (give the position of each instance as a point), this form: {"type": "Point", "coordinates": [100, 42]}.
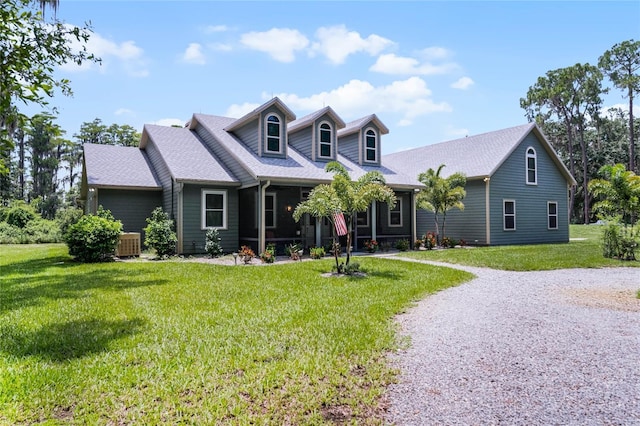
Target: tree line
{"type": "Point", "coordinates": [567, 103]}
{"type": "Point", "coordinates": [43, 167]}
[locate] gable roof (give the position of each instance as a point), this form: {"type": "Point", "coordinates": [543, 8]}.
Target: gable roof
{"type": "Point", "coordinates": [358, 124]}
{"type": "Point", "coordinates": [118, 166]}
{"type": "Point", "coordinates": [476, 156]}
{"type": "Point", "coordinates": [185, 155]}
{"type": "Point", "coordinates": [296, 167]}
{"type": "Point", "coordinates": [289, 115]}
{"type": "Point", "coordinates": [307, 120]}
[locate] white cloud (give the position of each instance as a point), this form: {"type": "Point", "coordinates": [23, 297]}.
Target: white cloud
{"type": "Point", "coordinates": [123, 111]}
{"type": "Point", "coordinates": [193, 54]}
{"type": "Point", "coordinates": [612, 112]}
{"type": "Point", "coordinates": [279, 43]}
{"type": "Point", "coordinates": [431, 53]}
{"type": "Point", "coordinates": [216, 29]}
{"type": "Point", "coordinates": [402, 65]}
{"type": "Point", "coordinates": [220, 47]}
{"type": "Point", "coordinates": [409, 98]}
{"type": "Point", "coordinates": [337, 43]}
{"type": "Point", "coordinates": [238, 110]}
{"type": "Point", "coordinates": [463, 83]}
{"type": "Point", "coordinates": [126, 54]}
{"type": "Point", "coordinates": [169, 122]}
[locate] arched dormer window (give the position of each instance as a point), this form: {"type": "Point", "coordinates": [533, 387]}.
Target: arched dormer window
{"type": "Point", "coordinates": [532, 167]}
{"type": "Point", "coordinates": [325, 140]}
{"type": "Point", "coordinates": [371, 146]}
{"type": "Point", "coordinates": [273, 143]}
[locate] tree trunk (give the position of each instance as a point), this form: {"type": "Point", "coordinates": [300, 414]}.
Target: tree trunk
{"type": "Point", "coordinates": [585, 176]}
{"type": "Point", "coordinates": [632, 142]}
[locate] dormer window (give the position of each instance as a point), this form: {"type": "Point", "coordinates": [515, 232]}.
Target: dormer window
{"type": "Point", "coordinates": [532, 167]}
{"type": "Point", "coordinates": [371, 146]}
{"type": "Point", "coordinates": [325, 138]}
{"type": "Point", "coordinates": [274, 134]}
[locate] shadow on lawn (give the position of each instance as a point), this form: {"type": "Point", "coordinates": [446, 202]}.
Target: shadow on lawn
{"type": "Point", "coordinates": [34, 282]}
{"type": "Point", "coordinates": [65, 341]}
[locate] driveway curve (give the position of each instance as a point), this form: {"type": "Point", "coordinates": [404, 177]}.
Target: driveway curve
{"type": "Point", "coordinates": [523, 348]}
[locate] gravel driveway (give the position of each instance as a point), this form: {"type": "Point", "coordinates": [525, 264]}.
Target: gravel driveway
{"type": "Point", "coordinates": [526, 348]}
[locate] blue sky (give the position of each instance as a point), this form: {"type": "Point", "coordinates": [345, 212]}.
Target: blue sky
{"type": "Point", "coordinates": [431, 71]}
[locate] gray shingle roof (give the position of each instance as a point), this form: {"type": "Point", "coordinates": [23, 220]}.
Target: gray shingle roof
{"type": "Point", "coordinates": [476, 156]}
{"type": "Point", "coordinates": [310, 118]}
{"type": "Point", "coordinates": [355, 125]}
{"type": "Point", "coordinates": [236, 123]}
{"type": "Point", "coordinates": [185, 155]}
{"type": "Point", "coordinates": [111, 166]}
{"type": "Point", "coordinates": [295, 167]}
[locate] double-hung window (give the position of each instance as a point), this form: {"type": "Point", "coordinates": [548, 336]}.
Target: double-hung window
{"type": "Point", "coordinates": [326, 136]}
{"type": "Point", "coordinates": [270, 210]}
{"type": "Point", "coordinates": [214, 209]}
{"type": "Point", "coordinates": [362, 219]}
{"type": "Point", "coordinates": [371, 146]}
{"type": "Point", "coordinates": [273, 132]}
{"type": "Point", "coordinates": [532, 167]}
{"type": "Point", "coordinates": [509, 213]}
{"type": "Point", "coordinates": [395, 214]}
{"type": "Point", "coordinates": [552, 215]}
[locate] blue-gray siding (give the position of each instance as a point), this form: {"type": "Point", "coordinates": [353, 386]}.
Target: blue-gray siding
{"type": "Point", "coordinates": [301, 141]}
{"type": "Point", "coordinates": [509, 183]}
{"type": "Point", "coordinates": [469, 224]}
{"type": "Point", "coordinates": [193, 237]}
{"type": "Point", "coordinates": [248, 134]}
{"type": "Point", "coordinates": [131, 207]}
{"type": "Point", "coordinates": [348, 146]}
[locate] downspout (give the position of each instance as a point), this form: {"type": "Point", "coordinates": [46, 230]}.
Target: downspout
{"type": "Point", "coordinates": [487, 207]}
{"type": "Point", "coordinates": [179, 228]}
{"type": "Point", "coordinates": [262, 232]}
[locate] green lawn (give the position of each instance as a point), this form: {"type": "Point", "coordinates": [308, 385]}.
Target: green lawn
{"type": "Point", "coordinates": [179, 342]}
{"type": "Point", "coordinates": [584, 251]}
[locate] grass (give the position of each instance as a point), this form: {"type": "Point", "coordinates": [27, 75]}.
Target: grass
{"type": "Point", "coordinates": [584, 251]}
{"type": "Point", "coordinates": [178, 342]}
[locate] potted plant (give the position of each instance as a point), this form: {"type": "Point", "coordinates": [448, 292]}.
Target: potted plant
{"type": "Point", "coordinates": [371, 246]}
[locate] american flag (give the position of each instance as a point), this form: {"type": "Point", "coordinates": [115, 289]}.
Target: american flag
{"type": "Point", "coordinates": [340, 224]}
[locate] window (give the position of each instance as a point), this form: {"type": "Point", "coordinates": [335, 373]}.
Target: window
{"type": "Point", "coordinates": [552, 214]}
{"type": "Point", "coordinates": [509, 209]}
{"type": "Point", "coordinates": [362, 219]}
{"type": "Point", "coordinates": [395, 214]}
{"type": "Point", "coordinates": [532, 169]}
{"type": "Point", "coordinates": [274, 132]}
{"type": "Point", "coordinates": [326, 136]}
{"type": "Point", "coordinates": [214, 209]}
{"type": "Point", "coordinates": [270, 210]}
{"type": "Point", "coordinates": [371, 146]}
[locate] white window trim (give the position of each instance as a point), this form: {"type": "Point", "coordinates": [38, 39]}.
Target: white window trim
{"type": "Point", "coordinates": [366, 224]}
{"type": "Point", "coordinates": [364, 145]}
{"type": "Point", "coordinates": [266, 134]}
{"type": "Point", "coordinates": [203, 214]}
{"type": "Point", "coordinates": [399, 211]}
{"type": "Point", "coordinates": [526, 165]}
{"type": "Point", "coordinates": [549, 215]}
{"type": "Point", "coordinates": [504, 215]}
{"type": "Point", "coordinates": [320, 143]}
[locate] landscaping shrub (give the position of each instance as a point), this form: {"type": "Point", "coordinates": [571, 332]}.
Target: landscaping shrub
{"type": "Point", "coordinates": [619, 242]}
{"type": "Point", "coordinates": [316, 252]}
{"type": "Point", "coordinates": [371, 246]}
{"type": "Point", "coordinates": [212, 243]}
{"type": "Point", "coordinates": [67, 217]}
{"type": "Point", "coordinates": [402, 245]}
{"type": "Point", "coordinates": [294, 251]}
{"type": "Point", "coordinates": [246, 254]}
{"type": "Point", "coordinates": [94, 237]}
{"type": "Point", "coordinates": [159, 234]}
{"type": "Point", "coordinates": [20, 213]}
{"type": "Point", "coordinates": [269, 254]}
{"type": "Point", "coordinates": [10, 234]}
{"type": "Point", "coordinates": [40, 231]}
{"type": "Point", "coordinates": [430, 241]}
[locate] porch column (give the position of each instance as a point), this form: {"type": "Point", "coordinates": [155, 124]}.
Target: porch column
{"type": "Point", "coordinates": [262, 233]}
{"type": "Point", "coordinates": [318, 229]}
{"type": "Point", "coordinates": [414, 221]}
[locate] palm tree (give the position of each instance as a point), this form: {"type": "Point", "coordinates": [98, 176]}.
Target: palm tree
{"type": "Point", "coordinates": [347, 197]}
{"type": "Point", "coordinates": [441, 194]}
{"type": "Point", "coordinates": [619, 192]}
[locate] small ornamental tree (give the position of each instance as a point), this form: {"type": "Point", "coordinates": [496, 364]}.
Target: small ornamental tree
{"type": "Point", "coordinates": [441, 194]}
{"type": "Point", "coordinates": [347, 197]}
{"type": "Point", "coordinates": [159, 234]}
{"type": "Point", "coordinates": [94, 238]}
{"type": "Point", "coordinates": [212, 243]}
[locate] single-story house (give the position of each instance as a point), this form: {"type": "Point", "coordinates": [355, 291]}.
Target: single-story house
{"type": "Point", "coordinates": [517, 187]}
{"type": "Point", "coordinates": [245, 176]}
